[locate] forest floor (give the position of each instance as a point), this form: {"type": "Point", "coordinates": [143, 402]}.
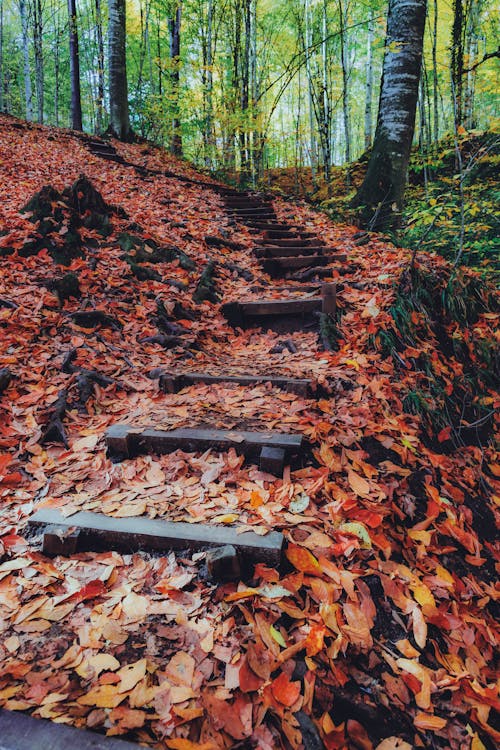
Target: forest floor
{"type": "Point", "coordinates": [378, 630]}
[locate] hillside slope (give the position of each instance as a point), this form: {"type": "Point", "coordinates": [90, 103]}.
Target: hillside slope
{"type": "Point", "coordinates": [378, 631]}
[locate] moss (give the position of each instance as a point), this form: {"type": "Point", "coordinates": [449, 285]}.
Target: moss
{"type": "Point", "coordinates": [206, 289]}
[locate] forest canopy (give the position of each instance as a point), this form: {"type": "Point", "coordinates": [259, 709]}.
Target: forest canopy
{"type": "Point", "coordinates": [246, 84]}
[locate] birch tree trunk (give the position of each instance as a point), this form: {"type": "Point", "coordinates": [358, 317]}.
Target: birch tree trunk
{"type": "Point", "coordinates": [118, 88]}
{"type": "Point", "coordinates": [74, 68]}
{"type": "Point", "coordinates": [369, 84]}
{"type": "Point", "coordinates": [385, 181]}
{"type": "Point", "coordinates": [28, 93]}
{"type": "Point", "coordinates": [326, 113]}
{"type": "Point", "coordinates": [175, 51]}
{"type": "Point", "coordinates": [209, 84]}
{"type": "Point", "coordinates": [308, 49]}
{"type": "Point", "coordinates": [345, 79]}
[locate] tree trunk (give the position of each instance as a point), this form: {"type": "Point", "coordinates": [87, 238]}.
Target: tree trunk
{"type": "Point", "coordinates": [100, 70]}
{"type": "Point", "coordinates": [369, 84]}
{"type": "Point", "coordinates": [345, 81]}
{"type": "Point", "coordinates": [310, 86]}
{"type": "Point", "coordinates": [457, 60]}
{"type": "Point", "coordinates": [28, 94]}
{"type": "Point", "coordinates": [326, 113]}
{"type": "Point", "coordinates": [435, 88]}
{"type": "Point", "coordinates": [175, 51]}
{"type": "Point", "coordinates": [2, 104]}
{"type": "Point", "coordinates": [38, 48]}
{"type": "Point", "coordinates": [74, 68]}
{"type": "Point", "coordinates": [385, 181]}
{"type": "Point", "coordinates": [118, 88]}
{"type": "Point", "coordinates": [209, 83]}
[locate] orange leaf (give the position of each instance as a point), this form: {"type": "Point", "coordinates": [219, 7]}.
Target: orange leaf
{"type": "Point", "coordinates": [249, 681]}
{"type": "Point", "coordinates": [303, 560]}
{"type": "Point", "coordinates": [359, 485]}
{"type": "Point", "coordinates": [315, 639]}
{"type": "Point", "coordinates": [284, 691]}
{"type": "Point", "coordinates": [427, 721]}
{"type": "Point", "coordinates": [180, 744]}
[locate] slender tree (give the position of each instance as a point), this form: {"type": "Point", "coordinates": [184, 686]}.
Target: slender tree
{"type": "Point", "coordinates": [1, 59]}
{"type": "Point", "coordinates": [382, 191]}
{"type": "Point", "coordinates": [74, 68]}
{"type": "Point", "coordinates": [175, 54]}
{"type": "Point", "coordinates": [118, 88]}
{"type": "Point", "coordinates": [369, 83]}
{"type": "Point", "coordinates": [38, 33]}
{"type": "Point", "coordinates": [28, 93]}
{"type": "Point", "coordinates": [100, 67]}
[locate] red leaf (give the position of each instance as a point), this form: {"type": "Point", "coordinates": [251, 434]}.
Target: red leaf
{"type": "Point", "coordinates": [90, 591]}
{"type": "Point", "coordinates": [284, 691]}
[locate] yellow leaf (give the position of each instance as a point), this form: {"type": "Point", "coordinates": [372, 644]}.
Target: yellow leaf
{"type": "Point", "coordinates": [476, 744]}
{"type": "Point", "coordinates": [94, 665]}
{"type": "Point", "coordinates": [423, 595]}
{"type": "Point", "coordinates": [130, 675]}
{"type": "Point", "coordinates": [354, 527]}
{"type": "Point", "coordinates": [103, 696]}
{"type": "Point", "coordinates": [226, 518]}
{"type": "Point", "coordinates": [277, 636]}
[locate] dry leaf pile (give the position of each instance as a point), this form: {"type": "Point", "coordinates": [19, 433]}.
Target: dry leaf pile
{"type": "Point", "coordinates": [379, 630]}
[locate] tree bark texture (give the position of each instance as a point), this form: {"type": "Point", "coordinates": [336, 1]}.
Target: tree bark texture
{"type": "Point", "coordinates": [118, 88]}
{"type": "Point", "coordinates": [175, 52]}
{"type": "Point", "coordinates": [28, 93]}
{"type": "Point", "coordinates": [385, 181]}
{"type": "Point", "coordinates": [74, 68]}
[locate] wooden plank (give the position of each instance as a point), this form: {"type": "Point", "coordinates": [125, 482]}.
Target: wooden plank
{"type": "Point", "coordinates": [269, 251]}
{"type": "Point", "coordinates": [125, 441]}
{"type": "Point", "coordinates": [98, 531]}
{"type": "Point", "coordinates": [296, 242]}
{"type": "Point", "coordinates": [21, 732]}
{"type": "Point", "coordinates": [269, 225]}
{"type": "Point", "coordinates": [299, 306]}
{"type": "Point", "coordinates": [329, 299]}
{"type": "Point", "coordinates": [274, 265]}
{"type": "Point", "coordinates": [174, 383]}
{"type": "Point", "coordinates": [254, 212]}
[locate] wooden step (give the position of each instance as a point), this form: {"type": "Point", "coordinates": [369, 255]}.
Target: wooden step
{"type": "Point", "coordinates": [276, 266]}
{"type": "Point", "coordinates": [244, 203]}
{"type": "Point", "coordinates": [174, 383]}
{"type": "Point", "coordinates": [254, 212]}
{"type": "Point", "coordinates": [125, 441]}
{"type": "Point", "coordinates": [21, 732]}
{"type": "Point", "coordinates": [271, 225]}
{"type": "Point", "coordinates": [242, 314]}
{"type": "Point", "coordinates": [270, 251]}
{"type": "Point", "coordinates": [287, 234]}
{"type": "Point", "coordinates": [297, 242]}
{"type": "Point", "coordinates": [100, 532]}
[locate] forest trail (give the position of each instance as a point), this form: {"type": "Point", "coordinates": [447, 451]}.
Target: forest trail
{"type": "Point", "coordinates": [377, 629]}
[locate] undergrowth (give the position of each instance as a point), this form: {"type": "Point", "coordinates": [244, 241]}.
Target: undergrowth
{"type": "Point", "coordinates": [436, 334]}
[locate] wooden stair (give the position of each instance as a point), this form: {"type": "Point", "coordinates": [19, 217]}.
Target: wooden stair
{"type": "Point", "coordinates": [173, 383]}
